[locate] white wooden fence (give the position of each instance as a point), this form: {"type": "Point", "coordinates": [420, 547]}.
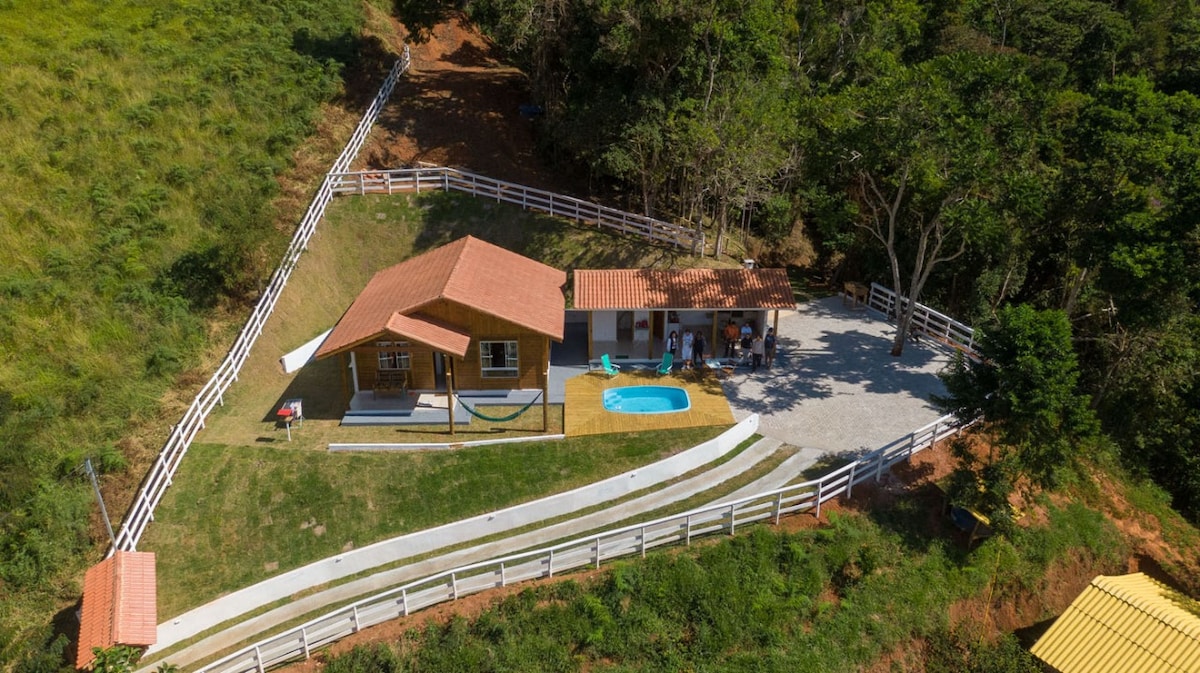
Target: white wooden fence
{"type": "Point", "coordinates": [299, 642]}
{"type": "Point", "coordinates": [925, 320]}
{"type": "Point", "coordinates": [154, 486]}
{"type": "Point", "coordinates": [446, 179]}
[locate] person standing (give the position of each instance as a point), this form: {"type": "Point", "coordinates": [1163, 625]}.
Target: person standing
{"type": "Point", "coordinates": [687, 349]}
{"type": "Point", "coordinates": [731, 337]}
{"type": "Point", "coordinates": [698, 349]}
{"type": "Point", "coordinates": [673, 344]}
{"type": "Point", "coordinates": [769, 347]}
{"type": "Point", "coordinates": [756, 352]}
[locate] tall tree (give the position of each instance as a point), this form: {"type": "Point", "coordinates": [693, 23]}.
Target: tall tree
{"type": "Point", "coordinates": [925, 167]}
{"type": "Point", "coordinates": [1026, 387]}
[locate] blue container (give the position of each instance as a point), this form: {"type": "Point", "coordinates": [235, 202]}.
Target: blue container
{"type": "Point", "coordinates": [646, 400]}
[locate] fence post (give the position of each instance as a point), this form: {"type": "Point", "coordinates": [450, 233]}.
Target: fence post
{"type": "Point", "coordinates": [550, 564]}
{"type": "Point", "coordinates": [304, 641]}
{"type": "Point", "coordinates": [357, 625]}
{"type": "Point", "coordinates": [688, 535]}
{"type": "Point", "coordinates": [819, 485]}
{"type": "Point", "coordinates": [879, 466]}
{"type": "Point", "coordinates": [850, 479]}
{"type": "Point", "coordinates": [912, 442]}
{"type": "Point", "coordinates": [597, 553]}
{"type": "Point", "coordinates": [258, 664]}
{"type": "Point", "coordinates": [732, 520]}
{"type": "Point", "coordinates": [404, 602]}
{"type": "Point", "coordinates": [778, 506]}
{"type": "Point", "coordinates": [453, 586]}
{"type": "Point", "coordinates": [642, 541]}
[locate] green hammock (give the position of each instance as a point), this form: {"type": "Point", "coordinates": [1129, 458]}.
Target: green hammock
{"type": "Point", "coordinates": [500, 419]}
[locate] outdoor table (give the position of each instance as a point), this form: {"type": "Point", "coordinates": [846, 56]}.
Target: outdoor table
{"type": "Point", "coordinates": [292, 411]}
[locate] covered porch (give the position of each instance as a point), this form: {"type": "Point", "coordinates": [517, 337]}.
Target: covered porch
{"type": "Point", "coordinates": [429, 407]}
{"type": "Point", "coordinates": [631, 312]}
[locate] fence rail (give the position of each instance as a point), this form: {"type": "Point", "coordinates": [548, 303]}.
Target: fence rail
{"type": "Point", "coordinates": [925, 320]}
{"type": "Point", "coordinates": [154, 486]}
{"type": "Point", "coordinates": [404, 180]}
{"type": "Point", "coordinates": [299, 642]}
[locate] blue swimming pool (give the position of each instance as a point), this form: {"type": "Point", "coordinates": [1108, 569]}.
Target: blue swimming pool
{"type": "Point", "coordinates": [646, 400]}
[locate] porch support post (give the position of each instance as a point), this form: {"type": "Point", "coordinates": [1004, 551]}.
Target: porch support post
{"type": "Point", "coordinates": [546, 384]}
{"type": "Point", "coordinates": [717, 346]}
{"type": "Point", "coordinates": [589, 337]}
{"type": "Point", "coordinates": [354, 371]}
{"type": "Point", "coordinates": [449, 362]}
{"type": "Point", "coordinates": [342, 359]}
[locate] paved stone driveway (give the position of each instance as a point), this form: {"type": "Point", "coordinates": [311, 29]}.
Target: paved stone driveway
{"type": "Point", "coordinates": [835, 387]}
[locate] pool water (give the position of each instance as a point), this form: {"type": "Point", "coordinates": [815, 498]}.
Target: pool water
{"type": "Point", "coordinates": [646, 400]}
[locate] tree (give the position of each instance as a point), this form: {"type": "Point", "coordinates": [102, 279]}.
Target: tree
{"type": "Point", "coordinates": [1025, 386]}
{"type": "Point", "coordinates": [925, 154]}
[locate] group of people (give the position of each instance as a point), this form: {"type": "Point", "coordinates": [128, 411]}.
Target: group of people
{"type": "Point", "coordinates": [759, 349]}
{"type": "Point", "coordinates": [689, 349]}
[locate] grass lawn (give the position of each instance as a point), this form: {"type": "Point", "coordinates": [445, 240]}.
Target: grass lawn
{"type": "Point", "coordinates": [239, 514]}
{"type": "Point", "coordinates": [248, 504]}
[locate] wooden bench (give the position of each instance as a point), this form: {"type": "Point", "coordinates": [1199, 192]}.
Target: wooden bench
{"type": "Point", "coordinates": [854, 294]}
{"type": "Point", "coordinates": [391, 382]}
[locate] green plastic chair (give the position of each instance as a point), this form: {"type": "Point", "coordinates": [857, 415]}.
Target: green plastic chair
{"type": "Point", "coordinates": [668, 362]}
{"type": "Point", "coordinates": [609, 367]}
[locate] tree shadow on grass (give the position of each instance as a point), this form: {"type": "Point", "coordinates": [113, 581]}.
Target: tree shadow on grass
{"type": "Point", "coordinates": [449, 217]}
{"type": "Point", "coordinates": [364, 61]}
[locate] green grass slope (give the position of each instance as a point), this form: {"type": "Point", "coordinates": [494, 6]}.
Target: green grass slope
{"type": "Point", "coordinates": [143, 142]}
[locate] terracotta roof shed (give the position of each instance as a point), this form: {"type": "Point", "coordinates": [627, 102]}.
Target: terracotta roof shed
{"type": "Point", "coordinates": [119, 604]}
{"type": "Point", "coordinates": [1129, 623]}
{"type": "Point", "coordinates": [468, 272]}
{"type": "Point", "coordinates": [682, 289]}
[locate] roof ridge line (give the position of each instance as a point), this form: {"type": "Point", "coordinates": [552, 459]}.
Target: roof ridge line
{"type": "Point", "coordinates": [1115, 588]}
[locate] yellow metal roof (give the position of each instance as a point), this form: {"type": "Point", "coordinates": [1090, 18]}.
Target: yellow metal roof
{"type": "Point", "coordinates": [1128, 623]}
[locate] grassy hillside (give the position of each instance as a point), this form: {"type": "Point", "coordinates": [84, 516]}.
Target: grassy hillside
{"type": "Point", "coordinates": [886, 584]}
{"type": "Point", "coordinates": [144, 145]}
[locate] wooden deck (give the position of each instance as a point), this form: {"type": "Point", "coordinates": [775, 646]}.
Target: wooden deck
{"type": "Point", "coordinates": [584, 412]}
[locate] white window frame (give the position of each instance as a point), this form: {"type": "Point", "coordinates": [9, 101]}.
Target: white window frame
{"type": "Point", "coordinates": [511, 368]}
{"type": "Point", "coordinates": [395, 358]}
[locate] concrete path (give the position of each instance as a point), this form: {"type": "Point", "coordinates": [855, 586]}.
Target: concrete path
{"type": "Point", "coordinates": [835, 386]}
{"type": "Point", "coordinates": [789, 471]}
{"type": "Point", "coordinates": [577, 527]}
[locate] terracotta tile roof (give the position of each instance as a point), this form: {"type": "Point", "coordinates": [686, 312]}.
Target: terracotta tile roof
{"type": "Point", "coordinates": [431, 332]}
{"type": "Point", "coordinates": [686, 289]}
{"type": "Point", "coordinates": [469, 272]}
{"type": "Point", "coordinates": [119, 604]}
{"type": "Point", "coordinates": [1124, 623]}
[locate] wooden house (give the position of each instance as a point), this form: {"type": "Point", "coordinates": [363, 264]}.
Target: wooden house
{"type": "Point", "coordinates": [466, 316]}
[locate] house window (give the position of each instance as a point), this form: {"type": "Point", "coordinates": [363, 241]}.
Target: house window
{"type": "Point", "coordinates": [390, 355]}
{"type": "Point", "coordinates": [498, 359]}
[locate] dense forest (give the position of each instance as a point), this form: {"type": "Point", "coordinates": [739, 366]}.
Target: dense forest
{"type": "Point", "coordinates": [981, 155]}
{"type": "Point", "coordinates": [1001, 152]}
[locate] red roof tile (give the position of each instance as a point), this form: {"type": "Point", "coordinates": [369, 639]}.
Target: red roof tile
{"type": "Point", "coordinates": [431, 332]}
{"type": "Point", "coordinates": [683, 289]}
{"type": "Point", "coordinates": [119, 604]}
{"type": "Point", "coordinates": [470, 272]}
